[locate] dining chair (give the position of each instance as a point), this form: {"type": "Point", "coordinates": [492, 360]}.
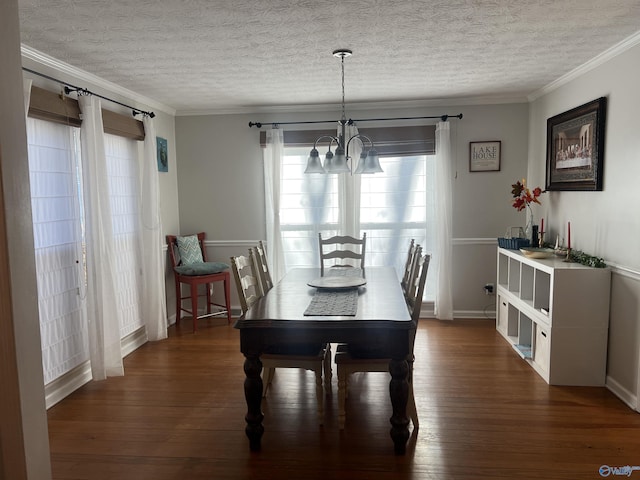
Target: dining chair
{"type": "Point", "coordinates": [313, 357]}
{"type": "Point", "coordinates": [262, 267]}
{"type": "Point", "coordinates": [350, 361]}
{"type": "Point", "coordinates": [413, 273]}
{"type": "Point", "coordinates": [407, 266]}
{"type": "Point", "coordinates": [333, 248]}
{"type": "Point", "coordinates": [188, 257]}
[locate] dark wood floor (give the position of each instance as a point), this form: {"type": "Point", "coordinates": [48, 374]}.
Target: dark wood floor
{"type": "Point", "coordinates": [178, 413]}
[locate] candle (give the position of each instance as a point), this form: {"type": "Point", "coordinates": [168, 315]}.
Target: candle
{"type": "Point", "coordinates": [568, 234]}
{"type": "Point", "coordinates": [542, 225]}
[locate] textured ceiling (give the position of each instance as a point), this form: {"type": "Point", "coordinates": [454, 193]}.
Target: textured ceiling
{"type": "Point", "coordinates": [207, 55]}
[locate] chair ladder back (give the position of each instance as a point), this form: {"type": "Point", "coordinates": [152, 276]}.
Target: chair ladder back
{"type": "Point", "coordinates": [338, 253]}
{"type": "Point", "coordinates": [246, 280]}
{"type": "Point", "coordinates": [262, 267]}
{"type": "Point", "coordinates": [408, 265]}
{"type": "Point", "coordinates": [415, 301]}
{"type": "Point", "coordinates": [414, 273]}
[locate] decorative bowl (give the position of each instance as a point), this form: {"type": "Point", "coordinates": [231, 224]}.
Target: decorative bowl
{"type": "Point", "coordinates": [531, 252]}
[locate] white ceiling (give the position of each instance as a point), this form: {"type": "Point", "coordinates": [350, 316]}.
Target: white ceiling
{"type": "Point", "coordinates": [244, 55]}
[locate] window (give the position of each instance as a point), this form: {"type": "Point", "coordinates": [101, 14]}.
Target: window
{"type": "Point", "coordinates": [309, 205]}
{"type": "Point", "coordinates": [124, 193]}
{"type": "Point", "coordinates": [54, 154]}
{"type": "Point", "coordinates": [57, 208]}
{"type": "Point", "coordinates": [395, 206]}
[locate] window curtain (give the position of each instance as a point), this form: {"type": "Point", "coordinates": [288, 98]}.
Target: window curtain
{"type": "Point", "coordinates": [443, 307]}
{"type": "Point", "coordinates": [104, 317]}
{"type": "Point", "coordinates": [273, 155]}
{"type": "Point", "coordinates": [349, 188]}
{"type": "Point", "coordinates": [154, 309]}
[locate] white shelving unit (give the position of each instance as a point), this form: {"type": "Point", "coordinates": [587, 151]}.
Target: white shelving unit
{"type": "Point", "coordinates": [555, 315]}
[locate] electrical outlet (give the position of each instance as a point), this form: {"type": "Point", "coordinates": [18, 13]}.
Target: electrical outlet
{"type": "Point", "coordinates": [488, 289]}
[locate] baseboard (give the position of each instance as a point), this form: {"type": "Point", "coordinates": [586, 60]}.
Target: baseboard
{"type": "Point", "coordinates": [68, 383]}
{"type": "Point", "coordinates": [133, 341]}
{"type": "Point", "coordinates": [491, 314]}
{"type": "Point", "coordinates": [75, 378]}
{"type": "Point", "coordinates": [622, 393]}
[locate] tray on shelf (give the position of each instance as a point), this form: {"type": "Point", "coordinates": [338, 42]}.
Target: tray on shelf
{"type": "Point", "coordinates": [537, 252]}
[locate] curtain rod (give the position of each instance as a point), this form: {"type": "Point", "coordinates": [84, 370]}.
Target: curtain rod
{"type": "Point", "coordinates": [444, 118]}
{"type": "Point", "coordinates": [68, 88]}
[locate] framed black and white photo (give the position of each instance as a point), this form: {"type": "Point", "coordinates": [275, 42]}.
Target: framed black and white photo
{"type": "Point", "coordinates": [575, 148]}
{"type": "Point", "coordinates": [484, 156]}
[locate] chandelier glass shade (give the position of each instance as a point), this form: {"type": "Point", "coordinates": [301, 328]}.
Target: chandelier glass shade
{"type": "Point", "coordinates": [341, 162]}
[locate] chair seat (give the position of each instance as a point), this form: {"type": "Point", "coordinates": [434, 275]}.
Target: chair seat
{"type": "Point", "coordinates": [204, 268]}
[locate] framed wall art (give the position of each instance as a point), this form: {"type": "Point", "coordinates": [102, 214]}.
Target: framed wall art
{"type": "Point", "coordinates": [162, 154]}
{"type": "Point", "coordinates": [575, 148]}
{"type": "Point", "coordinates": [484, 156]}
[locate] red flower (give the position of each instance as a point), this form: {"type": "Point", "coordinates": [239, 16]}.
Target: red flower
{"type": "Point", "coordinates": [523, 197]}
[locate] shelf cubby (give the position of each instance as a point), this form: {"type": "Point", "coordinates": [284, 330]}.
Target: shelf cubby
{"type": "Point", "coordinates": [555, 315]}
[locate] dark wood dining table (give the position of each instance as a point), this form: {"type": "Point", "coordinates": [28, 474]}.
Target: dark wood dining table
{"type": "Point", "coordinates": [382, 323]}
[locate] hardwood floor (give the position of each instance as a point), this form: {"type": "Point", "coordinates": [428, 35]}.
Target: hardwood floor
{"type": "Point", "coordinates": [178, 413]}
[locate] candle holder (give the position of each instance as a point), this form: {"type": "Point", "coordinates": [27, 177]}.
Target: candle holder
{"type": "Point", "coordinates": [541, 239]}
{"type": "Point", "coordinates": [568, 257]}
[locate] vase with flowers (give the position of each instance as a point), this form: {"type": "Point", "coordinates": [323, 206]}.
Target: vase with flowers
{"type": "Point", "coordinates": [523, 197]}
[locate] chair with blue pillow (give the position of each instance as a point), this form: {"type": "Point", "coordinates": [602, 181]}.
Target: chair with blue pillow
{"type": "Point", "coordinates": [188, 257]}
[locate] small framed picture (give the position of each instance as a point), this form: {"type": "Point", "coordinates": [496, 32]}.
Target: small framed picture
{"type": "Point", "coordinates": [163, 154]}
{"type": "Point", "coordinates": [484, 156]}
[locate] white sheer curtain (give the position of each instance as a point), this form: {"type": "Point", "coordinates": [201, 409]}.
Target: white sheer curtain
{"type": "Point", "coordinates": [272, 155]}
{"type": "Point", "coordinates": [104, 317]}
{"type": "Point", "coordinates": [442, 262]}
{"type": "Point", "coordinates": [154, 309]}
{"type": "Point", "coordinates": [349, 188]}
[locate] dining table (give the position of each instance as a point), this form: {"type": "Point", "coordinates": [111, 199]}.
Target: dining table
{"type": "Point", "coordinates": [379, 321]}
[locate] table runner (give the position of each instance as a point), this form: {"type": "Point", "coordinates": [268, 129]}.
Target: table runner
{"type": "Point", "coordinates": [333, 302]}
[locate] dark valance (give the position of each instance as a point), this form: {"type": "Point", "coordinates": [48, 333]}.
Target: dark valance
{"type": "Point", "coordinates": [388, 141]}
{"type": "Point", "coordinates": [53, 107]}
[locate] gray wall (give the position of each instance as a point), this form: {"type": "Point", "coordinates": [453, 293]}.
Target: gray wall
{"type": "Point", "coordinates": [221, 185]}
{"type": "Point", "coordinates": [607, 223]}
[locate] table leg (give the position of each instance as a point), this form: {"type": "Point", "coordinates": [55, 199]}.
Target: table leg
{"type": "Point", "coordinates": [253, 396]}
{"type": "Point", "coordinates": [399, 392]}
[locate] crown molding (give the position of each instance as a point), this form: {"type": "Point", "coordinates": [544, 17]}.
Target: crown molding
{"type": "Point", "coordinates": [81, 75]}
{"type": "Point", "coordinates": [354, 107]}
{"type": "Point", "coordinates": [598, 60]}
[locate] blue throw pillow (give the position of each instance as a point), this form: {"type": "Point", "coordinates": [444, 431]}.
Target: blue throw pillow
{"type": "Point", "coordinates": [203, 268]}
{"type": "Point", "coordinates": [189, 250]}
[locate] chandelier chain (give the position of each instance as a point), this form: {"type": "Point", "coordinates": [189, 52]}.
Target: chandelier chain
{"type": "Point", "coordinates": [344, 117]}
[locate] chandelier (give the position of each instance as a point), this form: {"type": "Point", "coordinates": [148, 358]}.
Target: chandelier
{"type": "Point", "coordinates": [341, 162]}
